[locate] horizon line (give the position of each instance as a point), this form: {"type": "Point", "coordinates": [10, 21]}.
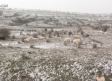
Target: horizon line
{"type": "Point", "coordinates": [70, 12]}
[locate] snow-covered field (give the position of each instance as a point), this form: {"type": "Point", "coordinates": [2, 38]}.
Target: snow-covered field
{"type": "Point", "coordinates": [49, 59]}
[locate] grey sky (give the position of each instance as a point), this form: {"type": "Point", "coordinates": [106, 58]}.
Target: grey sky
{"type": "Point", "coordinates": [83, 6]}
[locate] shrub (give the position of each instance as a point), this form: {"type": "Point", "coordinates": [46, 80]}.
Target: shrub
{"type": "Point", "coordinates": [35, 35]}
{"type": "Point", "coordinates": [24, 57]}
{"type": "Point", "coordinates": [52, 30]}
{"type": "Point", "coordinates": [20, 21]}
{"type": "Point", "coordinates": [31, 46]}
{"type": "Point", "coordinates": [50, 36]}
{"type": "Point", "coordinates": [1, 13]}
{"type": "Point", "coordinates": [70, 33]}
{"type": "Point", "coordinates": [105, 28]}
{"type": "Point", "coordinates": [11, 24]}
{"type": "Point", "coordinates": [58, 35]}
{"type": "Point", "coordinates": [23, 38]}
{"type": "Point", "coordinates": [43, 34]}
{"type": "Point", "coordinates": [26, 24]}
{"type": "Point", "coordinates": [65, 32]}
{"type": "Point", "coordinates": [13, 36]}
{"type": "Point", "coordinates": [49, 32]}
{"type": "Point", "coordinates": [48, 40]}
{"type": "Point", "coordinates": [45, 29]}
{"type": "Point", "coordinates": [80, 30]}
{"type": "Point", "coordinates": [96, 27]}
{"type": "Point", "coordinates": [55, 33]}
{"type": "Point", "coordinates": [4, 33]}
{"type": "Point", "coordinates": [94, 45]}
{"type": "Point", "coordinates": [85, 35]}
{"type": "Point", "coordinates": [16, 14]}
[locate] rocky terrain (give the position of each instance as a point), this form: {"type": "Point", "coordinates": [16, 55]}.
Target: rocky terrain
{"type": "Point", "coordinates": [47, 58]}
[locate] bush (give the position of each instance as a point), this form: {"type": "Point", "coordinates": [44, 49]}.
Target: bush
{"type": "Point", "coordinates": [20, 21]}
{"type": "Point", "coordinates": [50, 36]}
{"type": "Point", "coordinates": [24, 57]}
{"type": "Point", "coordinates": [43, 34]}
{"type": "Point", "coordinates": [96, 27]}
{"type": "Point", "coordinates": [105, 28]}
{"type": "Point", "coordinates": [35, 35]}
{"type": "Point", "coordinates": [16, 14]}
{"type": "Point", "coordinates": [80, 30]}
{"type": "Point", "coordinates": [4, 33]}
{"type": "Point", "coordinates": [11, 24]}
{"type": "Point", "coordinates": [48, 40]}
{"type": "Point", "coordinates": [85, 35]}
{"type": "Point", "coordinates": [45, 29]}
{"type": "Point", "coordinates": [58, 35]}
{"type": "Point", "coordinates": [31, 46]}
{"type": "Point", "coordinates": [13, 36]}
{"type": "Point", "coordinates": [70, 33]}
{"type": "Point", "coordinates": [52, 30]}
{"type": "Point", "coordinates": [55, 33]}
{"type": "Point", "coordinates": [26, 24]}
{"type": "Point", "coordinates": [1, 13]}
{"type": "Point", "coordinates": [23, 38]}
{"type": "Point", "coordinates": [94, 45]}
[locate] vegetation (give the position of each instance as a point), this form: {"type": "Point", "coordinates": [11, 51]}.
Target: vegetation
{"type": "Point", "coordinates": [35, 35]}
{"type": "Point", "coordinates": [16, 14]}
{"type": "Point", "coordinates": [45, 29]}
{"type": "Point", "coordinates": [4, 33]}
{"type": "Point", "coordinates": [48, 40]}
{"type": "Point", "coordinates": [94, 45]}
{"type": "Point", "coordinates": [105, 28]}
{"type": "Point", "coordinates": [20, 21]}
{"type": "Point", "coordinates": [1, 13]}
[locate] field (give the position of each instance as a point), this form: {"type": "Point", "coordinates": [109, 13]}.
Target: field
{"type": "Point", "coordinates": [49, 59]}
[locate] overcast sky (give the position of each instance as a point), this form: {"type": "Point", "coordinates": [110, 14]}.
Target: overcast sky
{"type": "Point", "coordinates": [83, 6]}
